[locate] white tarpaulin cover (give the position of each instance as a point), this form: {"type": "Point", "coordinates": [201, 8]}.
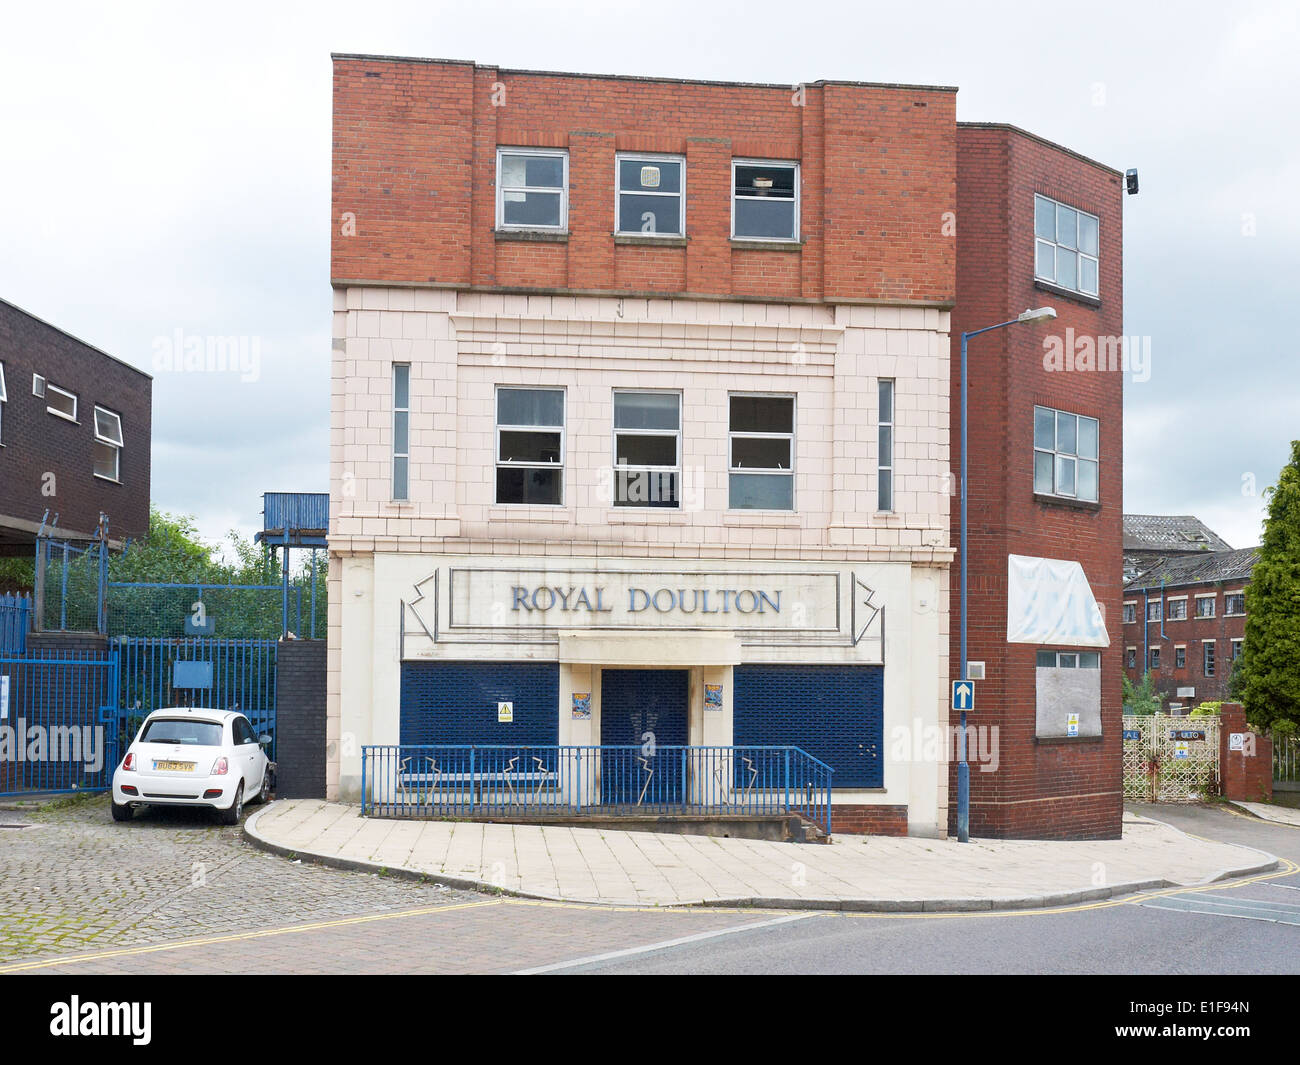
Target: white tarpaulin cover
{"type": "Point", "coordinates": [1049, 601]}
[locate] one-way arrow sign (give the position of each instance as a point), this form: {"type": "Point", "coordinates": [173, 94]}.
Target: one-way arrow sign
{"type": "Point", "coordinates": [963, 695]}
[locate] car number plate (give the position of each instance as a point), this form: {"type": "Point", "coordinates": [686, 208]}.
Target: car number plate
{"type": "Point", "coordinates": [174, 767]}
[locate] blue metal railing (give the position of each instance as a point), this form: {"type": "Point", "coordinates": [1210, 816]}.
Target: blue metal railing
{"type": "Point", "coordinates": [429, 780]}
{"type": "Point", "coordinates": [15, 620]}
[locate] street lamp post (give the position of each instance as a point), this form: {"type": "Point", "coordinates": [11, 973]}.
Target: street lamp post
{"type": "Point", "coordinates": [963, 766]}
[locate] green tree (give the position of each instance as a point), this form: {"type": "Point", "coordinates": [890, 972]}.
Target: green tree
{"type": "Point", "coordinates": [1140, 699]}
{"type": "Point", "coordinates": [1270, 662]}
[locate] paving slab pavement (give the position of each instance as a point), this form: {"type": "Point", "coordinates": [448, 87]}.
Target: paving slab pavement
{"type": "Point", "coordinates": [1282, 815]}
{"type": "Point", "coordinates": [863, 873]}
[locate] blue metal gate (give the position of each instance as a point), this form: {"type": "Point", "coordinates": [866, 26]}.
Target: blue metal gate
{"type": "Point", "coordinates": [645, 709]}
{"type": "Point", "coordinates": [59, 728]}
{"type": "Point", "coordinates": [202, 671]}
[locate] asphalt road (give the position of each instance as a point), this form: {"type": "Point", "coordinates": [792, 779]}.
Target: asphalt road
{"type": "Point", "coordinates": [1239, 927]}
{"type": "Point", "coordinates": [175, 894]}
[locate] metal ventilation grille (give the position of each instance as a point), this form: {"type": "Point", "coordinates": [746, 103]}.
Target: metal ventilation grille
{"type": "Point", "coordinates": [835, 713]}
{"type": "Point", "coordinates": [456, 702]}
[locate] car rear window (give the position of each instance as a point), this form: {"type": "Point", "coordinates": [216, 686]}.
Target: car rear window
{"type": "Point", "coordinates": [182, 730]}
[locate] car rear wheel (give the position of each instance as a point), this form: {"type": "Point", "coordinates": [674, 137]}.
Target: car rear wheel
{"type": "Point", "coordinates": [122, 812]}
{"type": "Point", "coordinates": [231, 816]}
{"type": "Point", "coordinates": [264, 792]}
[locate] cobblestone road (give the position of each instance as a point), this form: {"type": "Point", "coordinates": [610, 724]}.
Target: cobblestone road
{"type": "Point", "coordinates": [71, 879]}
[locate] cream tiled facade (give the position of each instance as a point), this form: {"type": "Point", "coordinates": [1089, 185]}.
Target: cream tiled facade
{"type": "Point", "coordinates": [398, 567]}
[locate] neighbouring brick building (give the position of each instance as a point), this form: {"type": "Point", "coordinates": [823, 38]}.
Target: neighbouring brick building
{"type": "Point", "coordinates": [1185, 621]}
{"type": "Point", "coordinates": [1046, 448]}
{"type": "Point", "coordinates": [641, 420]}
{"type": "Point", "coordinates": [74, 436]}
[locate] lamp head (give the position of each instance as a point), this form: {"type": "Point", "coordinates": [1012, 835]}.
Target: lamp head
{"type": "Point", "coordinates": [1037, 314]}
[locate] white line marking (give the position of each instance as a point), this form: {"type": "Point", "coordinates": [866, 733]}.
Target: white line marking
{"type": "Point", "coordinates": [667, 944]}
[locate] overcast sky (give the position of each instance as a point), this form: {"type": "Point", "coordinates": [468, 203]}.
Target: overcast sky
{"type": "Point", "coordinates": [165, 167]}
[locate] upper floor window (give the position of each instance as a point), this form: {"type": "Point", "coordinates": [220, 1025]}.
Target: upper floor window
{"type": "Point", "coordinates": [4, 398]}
{"type": "Point", "coordinates": [401, 430]}
{"type": "Point", "coordinates": [1205, 606]}
{"type": "Point", "coordinates": [647, 449]}
{"type": "Point", "coordinates": [1153, 610]}
{"type": "Point", "coordinates": [885, 441]}
{"type": "Point", "coordinates": [651, 195]}
{"type": "Point", "coordinates": [761, 450]}
{"type": "Point", "coordinates": [108, 444]}
{"type": "Point", "coordinates": [532, 188]}
{"type": "Point", "coordinates": [1130, 613]}
{"type": "Point", "coordinates": [1065, 246]}
{"type": "Point", "coordinates": [1177, 610]}
{"type": "Point", "coordinates": [530, 445]}
{"type": "Point", "coordinates": [1208, 662]}
{"type": "Point", "coordinates": [765, 200]}
{"type": "Point", "coordinates": [60, 402]}
{"type": "Point", "coordinates": [1065, 454]}
{"type": "Point", "coordinates": [1234, 603]}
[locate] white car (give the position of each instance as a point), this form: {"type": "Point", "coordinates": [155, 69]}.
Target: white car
{"type": "Point", "coordinates": [187, 756]}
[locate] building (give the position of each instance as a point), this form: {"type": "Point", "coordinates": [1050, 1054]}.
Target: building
{"type": "Point", "coordinates": [1185, 621]}
{"type": "Point", "coordinates": [74, 437]}
{"type": "Point", "coordinates": [1153, 538]}
{"type": "Point", "coordinates": [641, 421]}
{"type": "Point", "coordinates": [1039, 224]}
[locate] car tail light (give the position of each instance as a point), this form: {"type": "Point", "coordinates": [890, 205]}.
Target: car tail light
{"type": "Point", "coordinates": [129, 763]}
{"type": "Point", "coordinates": [220, 768]}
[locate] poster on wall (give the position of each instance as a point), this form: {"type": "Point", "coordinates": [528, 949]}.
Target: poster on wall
{"type": "Point", "coordinates": [582, 706]}
{"type": "Point", "coordinates": [713, 697]}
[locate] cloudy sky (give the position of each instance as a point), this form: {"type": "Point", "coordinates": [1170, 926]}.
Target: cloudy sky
{"type": "Point", "coordinates": [165, 168]}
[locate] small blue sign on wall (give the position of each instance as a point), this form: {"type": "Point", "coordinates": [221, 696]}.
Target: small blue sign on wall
{"type": "Point", "coordinates": [191, 674]}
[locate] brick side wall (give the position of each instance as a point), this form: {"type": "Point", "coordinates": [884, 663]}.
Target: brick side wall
{"type": "Point", "coordinates": [1070, 790]}
{"type": "Point", "coordinates": [415, 166]}
{"type": "Point", "coordinates": [300, 720]}
{"type": "Point", "coordinates": [37, 444]}
{"type": "Point", "coordinates": [869, 820]}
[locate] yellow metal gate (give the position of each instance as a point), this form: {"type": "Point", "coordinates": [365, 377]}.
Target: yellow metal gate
{"type": "Point", "coordinates": [1171, 759]}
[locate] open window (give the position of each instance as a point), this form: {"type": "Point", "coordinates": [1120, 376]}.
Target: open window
{"type": "Point", "coordinates": [108, 444]}
{"type": "Point", "coordinates": [60, 402]}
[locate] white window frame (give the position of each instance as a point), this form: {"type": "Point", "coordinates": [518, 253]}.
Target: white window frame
{"type": "Point", "coordinates": [116, 445]}
{"type": "Point", "coordinates": [798, 198]}
{"type": "Point", "coordinates": [1057, 454]}
{"type": "Point", "coordinates": [1209, 659]}
{"type": "Point", "coordinates": [49, 387]}
{"type": "Point", "coordinates": [620, 192]}
{"type": "Point", "coordinates": [392, 480]}
{"type": "Point", "coordinates": [1075, 657]}
{"type": "Point", "coordinates": [1153, 659]}
{"type": "Point", "coordinates": [516, 464]}
{"type": "Point", "coordinates": [1180, 647]}
{"type": "Point", "coordinates": [1078, 273]}
{"type": "Point", "coordinates": [1204, 599]}
{"type": "Point", "coordinates": [616, 432]}
{"type": "Point", "coordinates": [1237, 644]}
{"type": "Point", "coordinates": [550, 153]}
{"type": "Point", "coordinates": [884, 427]}
{"type": "Point", "coordinates": [793, 437]}
{"type": "Point", "coordinates": [1235, 613]}
{"type": "Point", "coordinates": [1170, 600]}
{"type": "Point", "coordinates": [1159, 607]}
{"type": "Point", "coordinates": [1130, 605]}
{"type": "Point", "coordinates": [1130, 657]}
{"type": "Point", "coordinates": [4, 398]}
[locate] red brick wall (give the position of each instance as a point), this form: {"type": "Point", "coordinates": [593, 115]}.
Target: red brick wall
{"type": "Point", "coordinates": [869, 820]}
{"type": "Point", "coordinates": [1245, 775]}
{"type": "Point", "coordinates": [1066, 789]}
{"type": "Point", "coordinates": [1193, 632]}
{"type": "Point", "coordinates": [415, 164]}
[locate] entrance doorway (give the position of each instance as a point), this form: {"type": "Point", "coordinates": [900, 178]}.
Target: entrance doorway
{"type": "Point", "coordinates": [642, 712]}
